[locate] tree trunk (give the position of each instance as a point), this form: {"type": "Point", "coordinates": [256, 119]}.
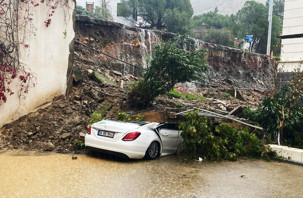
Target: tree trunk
{"type": "Point", "coordinates": [281, 128]}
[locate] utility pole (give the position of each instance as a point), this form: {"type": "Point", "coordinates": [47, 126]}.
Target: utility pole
{"type": "Point", "coordinates": [269, 26]}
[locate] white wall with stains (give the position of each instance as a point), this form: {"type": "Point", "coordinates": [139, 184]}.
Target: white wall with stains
{"type": "Point", "coordinates": [44, 52]}
{"type": "Point", "coordinates": [292, 48]}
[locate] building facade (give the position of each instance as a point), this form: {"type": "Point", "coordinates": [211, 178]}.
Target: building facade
{"type": "Point", "coordinates": [292, 36]}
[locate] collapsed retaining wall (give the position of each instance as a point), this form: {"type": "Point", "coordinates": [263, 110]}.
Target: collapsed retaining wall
{"type": "Point", "coordinates": [231, 66]}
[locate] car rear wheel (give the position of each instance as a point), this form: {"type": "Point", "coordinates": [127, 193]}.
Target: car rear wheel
{"type": "Point", "coordinates": [153, 151]}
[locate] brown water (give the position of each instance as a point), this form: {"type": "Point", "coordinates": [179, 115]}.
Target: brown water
{"type": "Point", "coordinates": [31, 175]}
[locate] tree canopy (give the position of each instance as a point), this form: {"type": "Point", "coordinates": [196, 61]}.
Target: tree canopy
{"type": "Point", "coordinates": [212, 19]}
{"type": "Point", "coordinates": [99, 12]}
{"type": "Point", "coordinates": [173, 14]}
{"type": "Point", "coordinates": [252, 19]}
{"type": "Point", "coordinates": [171, 64]}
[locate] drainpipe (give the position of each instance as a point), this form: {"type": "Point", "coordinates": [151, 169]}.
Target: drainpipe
{"type": "Point", "coordinates": [269, 26]}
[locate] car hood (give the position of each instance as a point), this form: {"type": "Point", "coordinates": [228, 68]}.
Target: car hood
{"type": "Point", "coordinates": [115, 126]}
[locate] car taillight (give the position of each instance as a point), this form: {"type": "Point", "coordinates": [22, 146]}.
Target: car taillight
{"type": "Point", "coordinates": [131, 136]}
{"type": "Point", "coordinates": [89, 130]}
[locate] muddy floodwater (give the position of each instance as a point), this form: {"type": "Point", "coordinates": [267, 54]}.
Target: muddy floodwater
{"type": "Point", "coordinates": [54, 175]}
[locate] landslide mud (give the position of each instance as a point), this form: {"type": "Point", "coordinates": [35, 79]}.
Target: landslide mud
{"type": "Point", "coordinates": [58, 175]}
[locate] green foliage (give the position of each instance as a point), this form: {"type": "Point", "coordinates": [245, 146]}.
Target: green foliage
{"type": "Point", "coordinates": [281, 113]}
{"type": "Point", "coordinates": [177, 21]}
{"type": "Point", "coordinates": [173, 14]}
{"type": "Point", "coordinates": [102, 13]}
{"type": "Point", "coordinates": [177, 94]}
{"type": "Point", "coordinates": [139, 117]}
{"type": "Point", "coordinates": [99, 13]}
{"type": "Point", "coordinates": [278, 8]}
{"type": "Point", "coordinates": [191, 97]}
{"type": "Point", "coordinates": [79, 145]}
{"type": "Point", "coordinates": [82, 11]}
{"type": "Point", "coordinates": [220, 37]}
{"type": "Point", "coordinates": [123, 9]}
{"type": "Point", "coordinates": [94, 117]}
{"type": "Point", "coordinates": [227, 95]}
{"type": "Point", "coordinates": [252, 19]}
{"type": "Point", "coordinates": [171, 64]}
{"type": "Point", "coordinates": [211, 20]}
{"type": "Point", "coordinates": [122, 116]}
{"type": "Point", "coordinates": [140, 95]}
{"type": "Point", "coordinates": [222, 142]}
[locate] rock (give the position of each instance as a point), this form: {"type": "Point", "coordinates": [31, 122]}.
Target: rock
{"type": "Point", "coordinates": [30, 133]}
{"type": "Point", "coordinates": [81, 135]}
{"type": "Point", "coordinates": [65, 135]}
{"type": "Point", "coordinates": [68, 110]}
{"type": "Point", "coordinates": [61, 105]}
{"type": "Point", "coordinates": [48, 146]}
{"type": "Point", "coordinates": [90, 71]}
{"type": "Point", "coordinates": [55, 123]}
{"type": "Point", "coordinates": [121, 84]}
{"type": "Point", "coordinates": [77, 97]}
{"type": "Point", "coordinates": [216, 101]}
{"type": "Point", "coordinates": [222, 107]}
{"type": "Point", "coordinates": [116, 73]}
{"type": "Point", "coordinates": [74, 157]}
{"type": "Point", "coordinates": [77, 76]}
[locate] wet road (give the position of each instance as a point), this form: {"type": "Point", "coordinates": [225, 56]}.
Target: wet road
{"type": "Point", "coordinates": [31, 175]}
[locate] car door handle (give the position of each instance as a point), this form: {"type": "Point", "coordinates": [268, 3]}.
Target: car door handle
{"type": "Point", "coordinates": [165, 134]}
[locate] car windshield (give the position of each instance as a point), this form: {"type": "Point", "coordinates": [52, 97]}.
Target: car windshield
{"type": "Point", "coordinates": [141, 123]}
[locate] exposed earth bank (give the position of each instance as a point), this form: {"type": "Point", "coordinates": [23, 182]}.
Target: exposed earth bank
{"type": "Point", "coordinates": [99, 84]}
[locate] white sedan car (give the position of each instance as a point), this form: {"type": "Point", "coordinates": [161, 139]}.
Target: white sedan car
{"type": "Point", "coordinates": [135, 140]}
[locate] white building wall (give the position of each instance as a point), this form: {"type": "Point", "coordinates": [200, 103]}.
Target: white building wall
{"type": "Point", "coordinates": [46, 58]}
{"type": "Point", "coordinates": [292, 48]}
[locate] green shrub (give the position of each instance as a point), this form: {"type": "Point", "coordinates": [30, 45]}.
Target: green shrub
{"type": "Point", "coordinates": [171, 64]}
{"type": "Point", "coordinates": [122, 116]}
{"type": "Point", "coordinates": [79, 145]}
{"type": "Point", "coordinates": [280, 112]}
{"type": "Point", "coordinates": [94, 117]}
{"type": "Point", "coordinates": [227, 95]}
{"type": "Point", "coordinates": [177, 94]}
{"type": "Point", "coordinates": [191, 97]}
{"type": "Point", "coordinates": [139, 117]}
{"type": "Point", "coordinates": [222, 142]}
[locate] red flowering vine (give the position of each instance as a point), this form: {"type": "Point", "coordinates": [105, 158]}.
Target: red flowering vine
{"type": "Point", "coordinates": [11, 70]}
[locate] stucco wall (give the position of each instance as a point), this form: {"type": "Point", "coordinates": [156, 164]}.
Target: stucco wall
{"type": "Point", "coordinates": [292, 42]}
{"type": "Point", "coordinates": [46, 57]}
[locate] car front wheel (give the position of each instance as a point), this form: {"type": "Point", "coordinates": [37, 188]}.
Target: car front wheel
{"type": "Point", "coordinates": [153, 151]}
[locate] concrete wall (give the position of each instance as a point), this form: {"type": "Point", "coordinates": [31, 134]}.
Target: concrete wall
{"type": "Point", "coordinates": [46, 58]}
{"type": "Point", "coordinates": [292, 36]}
{"type": "Point", "coordinates": [288, 153]}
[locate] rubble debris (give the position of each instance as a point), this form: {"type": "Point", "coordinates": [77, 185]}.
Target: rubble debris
{"type": "Point", "coordinates": [237, 110]}
{"type": "Point", "coordinates": [207, 113]}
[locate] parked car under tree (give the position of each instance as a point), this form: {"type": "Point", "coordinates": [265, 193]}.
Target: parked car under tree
{"type": "Point", "coordinates": [134, 140]}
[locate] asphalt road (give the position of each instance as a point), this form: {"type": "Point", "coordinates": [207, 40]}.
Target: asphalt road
{"type": "Point", "coordinates": [24, 174]}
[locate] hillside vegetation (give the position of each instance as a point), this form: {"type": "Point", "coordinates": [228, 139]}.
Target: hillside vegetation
{"type": "Point", "coordinates": [224, 7]}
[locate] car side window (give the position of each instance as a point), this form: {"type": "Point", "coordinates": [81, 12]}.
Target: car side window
{"type": "Point", "coordinates": [168, 126]}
